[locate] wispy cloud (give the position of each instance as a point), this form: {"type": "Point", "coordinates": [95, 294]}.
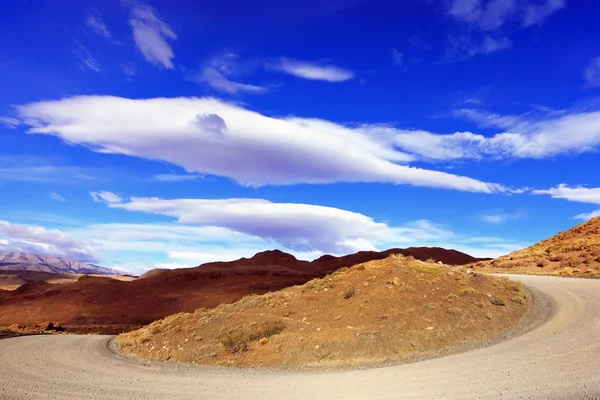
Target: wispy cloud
{"type": "Point", "coordinates": [493, 14]}
{"type": "Point", "coordinates": [577, 194]}
{"type": "Point", "coordinates": [152, 35]}
{"type": "Point", "coordinates": [86, 60]}
{"type": "Point", "coordinates": [10, 122]}
{"type": "Point", "coordinates": [588, 216]}
{"type": "Point", "coordinates": [397, 57]}
{"type": "Point", "coordinates": [591, 74]}
{"type": "Point", "coordinates": [104, 196]}
{"type": "Point", "coordinates": [487, 20]}
{"type": "Point", "coordinates": [312, 70]}
{"type": "Point", "coordinates": [40, 240]}
{"type": "Point", "coordinates": [205, 135]}
{"type": "Point", "coordinates": [176, 177]}
{"type": "Point", "coordinates": [95, 23]}
{"type": "Point", "coordinates": [56, 197]}
{"type": "Point", "coordinates": [219, 82]}
{"type": "Point", "coordinates": [463, 47]}
{"type": "Point", "coordinates": [25, 168]}
{"type": "Point", "coordinates": [500, 216]}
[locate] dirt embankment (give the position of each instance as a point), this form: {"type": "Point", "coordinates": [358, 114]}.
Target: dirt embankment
{"type": "Point", "coordinates": [574, 252]}
{"type": "Point", "coordinates": [385, 311]}
{"type": "Point", "coordinates": [102, 301]}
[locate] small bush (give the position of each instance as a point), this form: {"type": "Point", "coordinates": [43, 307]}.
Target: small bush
{"type": "Point", "coordinates": [349, 293]}
{"type": "Point", "coordinates": [427, 269]}
{"type": "Point", "coordinates": [541, 263]}
{"type": "Point", "coordinates": [463, 291]}
{"type": "Point", "coordinates": [236, 340]}
{"type": "Point", "coordinates": [455, 311]}
{"type": "Point", "coordinates": [498, 301]}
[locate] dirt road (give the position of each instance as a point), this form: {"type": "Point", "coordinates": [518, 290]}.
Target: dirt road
{"type": "Point", "coordinates": [558, 360]}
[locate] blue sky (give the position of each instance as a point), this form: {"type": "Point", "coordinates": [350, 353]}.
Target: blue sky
{"type": "Point", "coordinates": [149, 134]}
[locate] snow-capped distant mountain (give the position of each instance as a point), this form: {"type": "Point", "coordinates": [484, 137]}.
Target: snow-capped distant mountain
{"type": "Point", "coordinates": [56, 265]}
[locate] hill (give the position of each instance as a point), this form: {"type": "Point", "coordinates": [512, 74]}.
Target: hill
{"type": "Point", "coordinates": [574, 252]}
{"type": "Point", "coordinates": [10, 261]}
{"type": "Point", "coordinates": [390, 310]}
{"type": "Point", "coordinates": [12, 280]}
{"type": "Point", "coordinates": [106, 301]}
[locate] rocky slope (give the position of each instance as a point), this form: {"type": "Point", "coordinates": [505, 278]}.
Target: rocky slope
{"type": "Point", "coordinates": [574, 252]}
{"type": "Point", "coordinates": [378, 312]}
{"type": "Point", "coordinates": [105, 301]}
{"type": "Point", "coordinates": [14, 261]}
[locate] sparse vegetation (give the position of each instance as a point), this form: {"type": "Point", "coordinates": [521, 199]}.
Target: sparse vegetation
{"type": "Point", "coordinates": [394, 304]}
{"type": "Point", "coordinates": [573, 253]}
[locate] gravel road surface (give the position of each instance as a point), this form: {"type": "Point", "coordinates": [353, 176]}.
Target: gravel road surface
{"type": "Point", "coordinates": [559, 359]}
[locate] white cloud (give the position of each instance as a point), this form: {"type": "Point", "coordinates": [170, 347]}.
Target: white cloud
{"type": "Point", "coordinates": [86, 60]}
{"type": "Point", "coordinates": [577, 194]}
{"type": "Point", "coordinates": [397, 57]}
{"type": "Point", "coordinates": [106, 197]}
{"type": "Point", "coordinates": [462, 47]}
{"type": "Point", "coordinates": [219, 82]}
{"type": "Point", "coordinates": [493, 14]}
{"type": "Point", "coordinates": [588, 216]}
{"type": "Point", "coordinates": [23, 167]}
{"type": "Point", "coordinates": [152, 35]}
{"type": "Point", "coordinates": [10, 122]}
{"type": "Point", "coordinates": [95, 23]}
{"type": "Point", "coordinates": [175, 177]}
{"type": "Point", "coordinates": [39, 240]}
{"type": "Point", "coordinates": [300, 227]}
{"type": "Point", "coordinates": [213, 137]}
{"type": "Point", "coordinates": [312, 71]}
{"type": "Point", "coordinates": [56, 197]}
{"type": "Point", "coordinates": [499, 216]}
{"type": "Point", "coordinates": [592, 73]}
{"type": "Point", "coordinates": [523, 137]}
{"type": "Point", "coordinates": [536, 13]}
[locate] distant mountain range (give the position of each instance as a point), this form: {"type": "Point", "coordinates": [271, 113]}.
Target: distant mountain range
{"type": "Point", "coordinates": [54, 265]}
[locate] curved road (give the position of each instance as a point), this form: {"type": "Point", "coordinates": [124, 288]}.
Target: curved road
{"type": "Point", "coordinates": [560, 359]}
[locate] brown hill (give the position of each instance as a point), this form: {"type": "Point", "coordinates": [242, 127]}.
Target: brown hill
{"type": "Point", "coordinates": [575, 252]}
{"type": "Point", "coordinates": [11, 280]}
{"type": "Point", "coordinates": [390, 310]}
{"type": "Point", "coordinates": [105, 301]}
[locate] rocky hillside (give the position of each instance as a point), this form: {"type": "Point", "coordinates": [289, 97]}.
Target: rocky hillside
{"type": "Point", "coordinates": [164, 292]}
{"type": "Point", "coordinates": [385, 311]}
{"type": "Point", "coordinates": [55, 265]}
{"type": "Point", "coordinates": [575, 252]}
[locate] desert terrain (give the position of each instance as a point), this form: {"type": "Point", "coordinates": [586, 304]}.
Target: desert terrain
{"type": "Point", "coordinates": [101, 303]}
{"type": "Point", "coordinates": [383, 311]}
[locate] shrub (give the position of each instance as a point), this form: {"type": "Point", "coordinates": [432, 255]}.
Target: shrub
{"type": "Point", "coordinates": [427, 269]}
{"type": "Point", "coordinates": [349, 293]}
{"type": "Point", "coordinates": [237, 340]}
{"type": "Point", "coordinates": [455, 311]}
{"type": "Point", "coordinates": [498, 301]}
{"type": "Point", "coordinates": [463, 291]}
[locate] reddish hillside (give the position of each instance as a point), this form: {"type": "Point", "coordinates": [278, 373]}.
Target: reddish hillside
{"type": "Point", "coordinates": [106, 301]}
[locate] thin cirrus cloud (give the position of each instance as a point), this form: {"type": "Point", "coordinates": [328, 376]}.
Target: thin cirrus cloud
{"type": "Point", "coordinates": [175, 177]}
{"type": "Point", "coordinates": [86, 59]}
{"type": "Point", "coordinates": [95, 23]}
{"type": "Point", "coordinates": [152, 35]}
{"type": "Point", "coordinates": [577, 194]}
{"type": "Point", "coordinates": [490, 15]}
{"type": "Point", "coordinates": [489, 18]}
{"type": "Point", "coordinates": [591, 74]}
{"type": "Point", "coordinates": [40, 240]}
{"type": "Point", "coordinates": [56, 197]}
{"type": "Point", "coordinates": [216, 80]}
{"type": "Point", "coordinates": [209, 136]}
{"type": "Point", "coordinates": [106, 197]}
{"type": "Point", "coordinates": [311, 70]}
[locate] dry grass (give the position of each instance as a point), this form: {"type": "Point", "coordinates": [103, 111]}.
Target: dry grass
{"type": "Point", "coordinates": [399, 309]}
{"type": "Point", "coordinates": [572, 253]}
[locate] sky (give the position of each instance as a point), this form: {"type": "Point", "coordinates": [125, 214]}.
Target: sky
{"type": "Point", "coordinates": [165, 134]}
